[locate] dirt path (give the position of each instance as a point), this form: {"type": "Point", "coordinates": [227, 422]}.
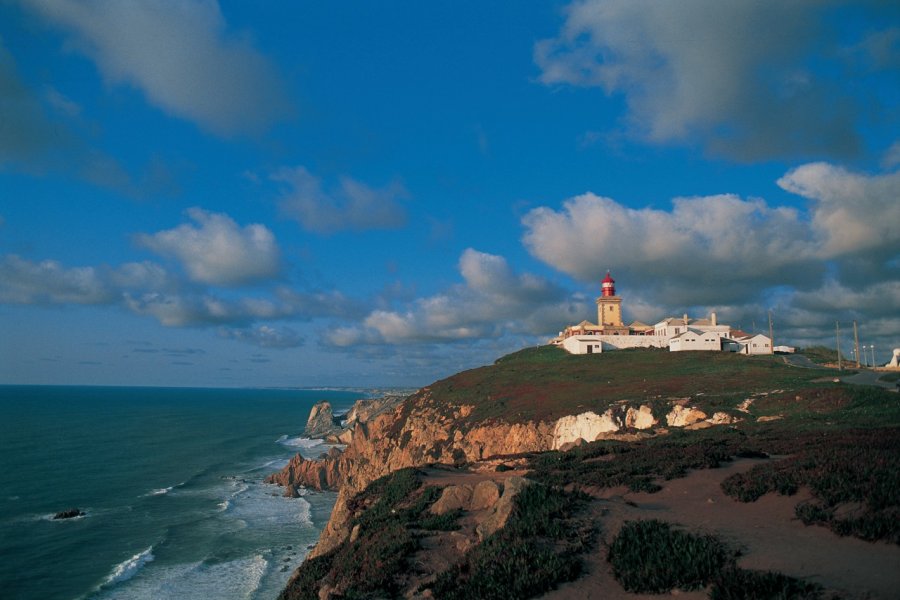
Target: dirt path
{"type": "Point", "coordinates": [766, 531]}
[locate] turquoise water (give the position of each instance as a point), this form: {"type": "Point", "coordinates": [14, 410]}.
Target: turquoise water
{"type": "Point", "coordinates": [171, 481]}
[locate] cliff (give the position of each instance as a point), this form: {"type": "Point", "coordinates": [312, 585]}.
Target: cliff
{"type": "Point", "coordinates": [488, 416]}
{"type": "Point", "coordinates": [501, 420]}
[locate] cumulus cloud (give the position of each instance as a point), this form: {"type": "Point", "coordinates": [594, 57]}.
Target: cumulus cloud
{"type": "Point", "coordinates": [851, 212]}
{"type": "Point", "coordinates": [743, 78]}
{"type": "Point", "coordinates": [349, 206]}
{"type": "Point", "coordinates": [492, 302]}
{"type": "Point", "coordinates": [179, 54]}
{"type": "Point", "coordinates": [713, 248]}
{"type": "Point", "coordinates": [217, 250]}
{"type": "Point", "coordinates": [49, 282]}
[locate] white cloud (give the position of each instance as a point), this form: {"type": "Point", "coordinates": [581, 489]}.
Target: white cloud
{"type": "Point", "coordinates": [744, 78]}
{"type": "Point", "coordinates": [350, 206]}
{"type": "Point", "coordinates": [714, 248]}
{"type": "Point", "coordinates": [851, 212]}
{"type": "Point", "coordinates": [218, 251]}
{"type": "Point", "coordinates": [492, 302]}
{"type": "Point", "coordinates": [179, 54]}
{"type": "Point", "coordinates": [48, 282]}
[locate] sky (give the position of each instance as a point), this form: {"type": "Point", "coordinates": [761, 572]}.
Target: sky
{"type": "Point", "coordinates": [359, 194]}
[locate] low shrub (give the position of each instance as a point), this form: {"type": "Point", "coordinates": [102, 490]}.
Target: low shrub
{"type": "Point", "coordinates": [445, 522]}
{"type": "Point", "coordinates": [539, 547]}
{"type": "Point", "coordinates": [653, 557]}
{"type": "Point", "coordinates": [741, 584]}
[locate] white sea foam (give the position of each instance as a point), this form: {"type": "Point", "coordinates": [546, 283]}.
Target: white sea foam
{"type": "Point", "coordinates": [237, 579]}
{"type": "Point", "coordinates": [160, 491]}
{"type": "Point", "coordinates": [300, 442]}
{"type": "Point", "coordinates": [262, 505]}
{"type": "Point", "coordinates": [127, 569]}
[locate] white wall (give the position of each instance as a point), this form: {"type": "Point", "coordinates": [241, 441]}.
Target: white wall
{"type": "Point", "coordinates": [582, 344]}
{"type": "Point", "coordinates": [708, 341]}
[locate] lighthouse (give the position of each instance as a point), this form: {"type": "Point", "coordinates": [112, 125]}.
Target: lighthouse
{"type": "Point", "coordinates": [608, 285]}
{"type": "Point", "coordinates": [609, 308]}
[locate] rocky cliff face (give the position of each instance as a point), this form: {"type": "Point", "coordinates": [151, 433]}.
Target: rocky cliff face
{"type": "Point", "coordinates": [422, 430]}
{"type": "Point", "coordinates": [321, 421]}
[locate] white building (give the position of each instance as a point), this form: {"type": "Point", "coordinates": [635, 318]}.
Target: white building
{"type": "Point", "coordinates": [676, 334]}
{"type": "Point", "coordinates": [756, 344]}
{"type": "Point", "coordinates": [695, 339]}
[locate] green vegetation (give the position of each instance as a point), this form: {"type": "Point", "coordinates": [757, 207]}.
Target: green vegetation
{"type": "Point", "coordinates": [821, 354]}
{"type": "Point", "coordinates": [391, 516]}
{"type": "Point", "coordinates": [547, 382]}
{"type": "Point", "coordinates": [651, 556]}
{"type": "Point", "coordinates": [539, 547]}
{"type": "Point", "coordinates": [642, 463]}
{"type": "Point", "coordinates": [854, 478]}
{"type": "Point", "coordinates": [741, 584]}
{"type": "Point", "coordinates": [654, 557]}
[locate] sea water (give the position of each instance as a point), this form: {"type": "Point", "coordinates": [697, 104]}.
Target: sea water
{"type": "Point", "coordinates": [171, 481]}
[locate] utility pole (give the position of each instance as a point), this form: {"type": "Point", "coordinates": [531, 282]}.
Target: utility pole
{"type": "Point", "coordinates": [873, 356]}
{"type": "Point", "coordinates": [771, 336]}
{"type": "Point", "coordinates": [837, 337]}
{"type": "Point", "coordinates": [856, 343]}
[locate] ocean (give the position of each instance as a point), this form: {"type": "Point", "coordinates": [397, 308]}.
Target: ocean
{"type": "Point", "coordinates": [171, 484]}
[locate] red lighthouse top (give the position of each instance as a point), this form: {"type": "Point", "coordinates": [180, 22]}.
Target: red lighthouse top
{"type": "Point", "coordinates": [608, 285]}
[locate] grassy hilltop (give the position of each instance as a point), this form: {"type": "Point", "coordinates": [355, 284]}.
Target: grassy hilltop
{"type": "Point", "coordinates": [547, 382]}
{"type": "Point", "coordinates": [832, 446]}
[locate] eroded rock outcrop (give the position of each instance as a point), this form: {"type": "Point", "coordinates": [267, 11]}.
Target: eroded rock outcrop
{"type": "Point", "coordinates": [321, 421]}
{"type": "Point", "coordinates": [641, 418]}
{"type": "Point", "coordinates": [681, 416]}
{"type": "Point", "coordinates": [586, 426]}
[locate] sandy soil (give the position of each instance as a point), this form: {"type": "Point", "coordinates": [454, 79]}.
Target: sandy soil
{"type": "Point", "coordinates": [766, 532]}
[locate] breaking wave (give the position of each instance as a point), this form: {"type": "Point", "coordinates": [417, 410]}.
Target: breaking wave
{"type": "Point", "coordinates": [127, 569]}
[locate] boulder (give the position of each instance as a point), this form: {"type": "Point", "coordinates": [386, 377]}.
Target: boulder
{"type": "Point", "coordinates": [587, 425]}
{"type": "Point", "coordinates": [69, 514]}
{"type": "Point", "coordinates": [681, 416]}
{"type": "Point", "coordinates": [722, 418]}
{"type": "Point", "coordinates": [571, 445]}
{"type": "Point", "coordinates": [453, 497]}
{"type": "Point", "coordinates": [484, 495]}
{"type": "Point", "coordinates": [502, 508]}
{"type": "Point", "coordinates": [641, 418]}
{"type": "Point", "coordinates": [766, 419]}
{"type": "Point", "coordinates": [354, 533]}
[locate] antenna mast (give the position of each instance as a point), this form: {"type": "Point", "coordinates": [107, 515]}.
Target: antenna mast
{"type": "Point", "coordinates": [856, 343]}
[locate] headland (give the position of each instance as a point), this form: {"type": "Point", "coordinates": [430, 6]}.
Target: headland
{"type": "Point", "coordinates": [634, 472]}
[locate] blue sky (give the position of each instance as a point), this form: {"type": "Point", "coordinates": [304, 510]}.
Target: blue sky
{"type": "Point", "coordinates": [365, 194]}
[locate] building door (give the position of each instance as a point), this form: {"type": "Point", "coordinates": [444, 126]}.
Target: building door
{"type": "Point", "coordinates": [590, 349]}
